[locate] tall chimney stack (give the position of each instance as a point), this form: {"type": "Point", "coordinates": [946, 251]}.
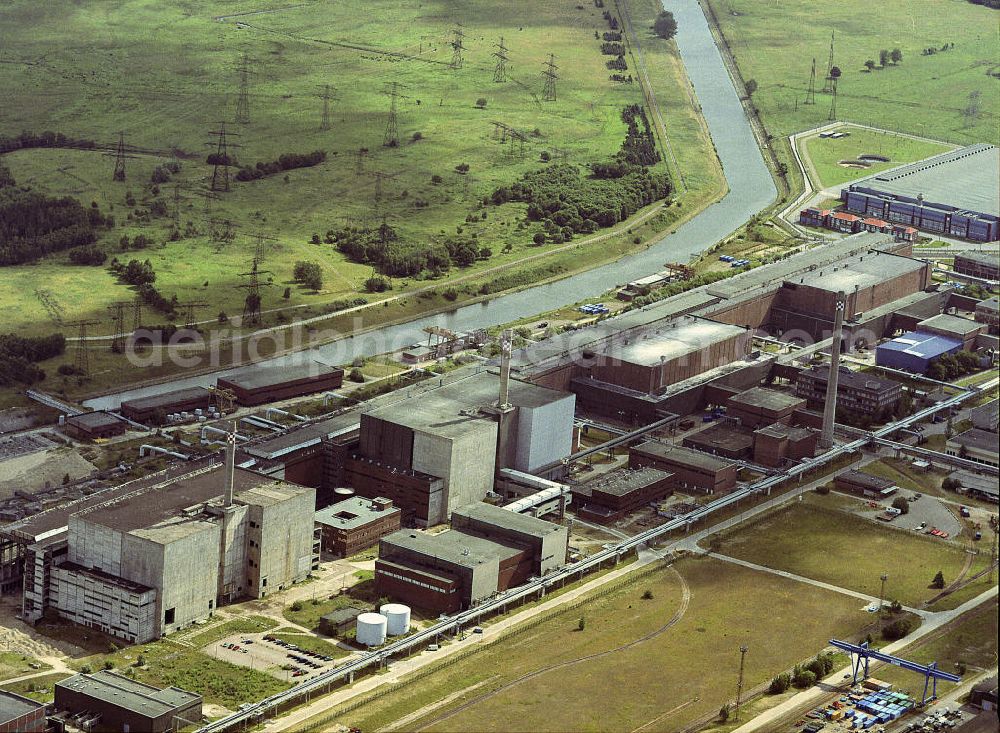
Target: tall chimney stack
{"type": "Point", "coordinates": [230, 465]}
{"type": "Point", "coordinates": [830, 403]}
{"type": "Point", "coordinates": [506, 343]}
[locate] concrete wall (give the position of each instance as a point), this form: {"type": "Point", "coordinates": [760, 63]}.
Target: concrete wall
{"type": "Point", "coordinates": [544, 433]}
{"type": "Point", "coordinates": [95, 546]}
{"type": "Point", "coordinates": [190, 577]}
{"type": "Point", "coordinates": [285, 540]}
{"type": "Point", "coordinates": [465, 462]}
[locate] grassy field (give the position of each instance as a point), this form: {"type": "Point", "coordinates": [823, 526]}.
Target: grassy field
{"type": "Point", "coordinates": [826, 154]}
{"type": "Point", "coordinates": [173, 76]}
{"type": "Point", "coordinates": [14, 665]}
{"type": "Point", "coordinates": [673, 678]}
{"type": "Point", "coordinates": [971, 640]}
{"type": "Point", "coordinates": [247, 625]}
{"type": "Point", "coordinates": [39, 688]}
{"type": "Point", "coordinates": [950, 95]}
{"type": "Point", "coordinates": [836, 547]}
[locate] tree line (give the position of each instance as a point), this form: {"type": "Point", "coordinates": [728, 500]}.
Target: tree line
{"type": "Point", "coordinates": [285, 162]}
{"type": "Point", "coordinates": [19, 355]}
{"type": "Point", "coordinates": [47, 139]}
{"type": "Point", "coordinates": [33, 225]}
{"type": "Point", "coordinates": [382, 248]}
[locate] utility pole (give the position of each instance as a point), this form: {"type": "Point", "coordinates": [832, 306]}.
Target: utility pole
{"type": "Point", "coordinates": [243, 101]}
{"type": "Point", "coordinates": [457, 47]}
{"type": "Point", "coordinates": [549, 93]}
{"type": "Point", "coordinates": [119, 174]}
{"type": "Point", "coordinates": [500, 72]}
{"type": "Point", "coordinates": [811, 94]}
{"type": "Point", "coordinates": [326, 97]}
{"type": "Point", "coordinates": [833, 100]}
{"type": "Point", "coordinates": [82, 357]}
{"type": "Point", "coordinates": [739, 683]}
{"type": "Point", "coordinates": [136, 312]}
{"type": "Point", "coordinates": [881, 593]}
{"type": "Point", "coordinates": [827, 88]}
{"type": "Point", "coordinates": [391, 137]}
{"type": "Point", "coordinates": [220, 171]}
{"type": "Point", "coordinates": [117, 310]}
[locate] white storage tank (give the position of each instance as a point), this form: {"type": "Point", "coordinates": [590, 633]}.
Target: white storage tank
{"type": "Point", "coordinates": [371, 629]}
{"type": "Point", "coordinates": [397, 618]}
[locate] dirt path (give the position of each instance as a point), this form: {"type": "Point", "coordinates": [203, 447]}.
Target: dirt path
{"type": "Point", "coordinates": [417, 714]}
{"type": "Point", "coordinates": [678, 615]}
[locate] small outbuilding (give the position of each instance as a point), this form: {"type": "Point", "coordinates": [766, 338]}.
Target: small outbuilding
{"type": "Point", "coordinates": [93, 426]}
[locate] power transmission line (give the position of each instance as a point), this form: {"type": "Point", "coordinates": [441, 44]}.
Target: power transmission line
{"type": "Point", "coordinates": [500, 72]}
{"type": "Point", "coordinates": [549, 92]}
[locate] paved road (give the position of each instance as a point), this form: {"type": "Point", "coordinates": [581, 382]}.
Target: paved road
{"type": "Point", "coordinates": [768, 720]}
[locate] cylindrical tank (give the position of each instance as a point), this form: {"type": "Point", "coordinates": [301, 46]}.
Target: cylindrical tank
{"type": "Point", "coordinates": [397, 618]}
{"type": "Point", "coordinates": [371, 629]}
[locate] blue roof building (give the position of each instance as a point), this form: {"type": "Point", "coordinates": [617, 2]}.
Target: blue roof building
{"type": "Point", "coordinates": [915, 351]}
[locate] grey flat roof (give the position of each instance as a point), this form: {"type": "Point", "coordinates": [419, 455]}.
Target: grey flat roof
{"type": "Point", "coordinates": [990, 304]}
{"type": "Point", "coordinates": [167, 398]}
{"type": "Point", "coordinates": [351, 513]}
{"type": "Point", "coordinates": [780, 430]}
{"type": "Point", "coordinates": [860, 478]}
{"type": "Point", "coordinates": [93, 419]}
{"type": "Point", "coordinates": [452, 546]}
{"type": "Point", "coordinates": [301, 437]}
{"type": "Point", "coordinates": [673, 340]}
{"type": "Point", "coordinates": [983, 258]}
{"type": "Point", "coordinates": [984, 484]}
{"type": "Point", "coordinates": [151, 506]}
{"type": "Point", "coordinates": [967, 178]}
{"type": "Point", "coordinates": [768, 399]}
{"type": "Point", "coordinates": [129, 694]}
{"type": "Point", "coordinates": [850, 379]}
{"type": "Point", "coordinates": [500, 517]}
{"type": "Point", "coordinates": [684, 456]}
{"type": "Point", "coordinates": [978, 439]}
{"type": "Point", "coordinates": [862, 270]}
{"type": "Point", "coordinates": [262, 377]}
{"type": "Point", "coordinates": [722, 436]}
{"type": "Point", "coordinates": [14, 706]}
{"type": "Point", "coordinates": [951, 324]}
{"type": "Point", "coordinates": [621, 483]}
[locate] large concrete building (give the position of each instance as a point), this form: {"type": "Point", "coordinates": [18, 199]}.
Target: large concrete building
{"type": "Point", "coordinates": [114, 702]}
{"type": "Point", "coordinates": [441, 450]}
{"type": "Point", "coordinates": [614, 495]}
{"type": "Point", "coordinates": [356, 524]}
{"type": "Point", "coordinates": [981, 265]}
{"type": "Point", "coordinates": [147, 562]}
{"type": "Point", "coordinates": [759, 406]}
{"type": "Point", "coordinates": [258, 385]}
{"type": "Point", "coordinates": [861, 394]}
{"type": "Point", "coordinates": [488, 549]}
{"type": "Point", "coordinates": [690, 469]}
{"type": "Point", "coordinates": [954, 194]}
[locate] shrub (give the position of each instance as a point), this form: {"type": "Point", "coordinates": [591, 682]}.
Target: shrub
{"type": "Point", "coordinates": [356, 375]}
{"type": "Point", "coordinates": [896, 630]}
{"type": "Point", "coordinates": [938, 581]}
{"type": "Point", "coordinates": [647, 594]}
{"type": "Point", "coordinates": [297, 606]}
{"type": "Point", "coordinates": [780, 684]}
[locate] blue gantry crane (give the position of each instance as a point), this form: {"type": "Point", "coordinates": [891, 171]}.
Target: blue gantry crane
{"type": "Point", "coordinates": [860, 653]}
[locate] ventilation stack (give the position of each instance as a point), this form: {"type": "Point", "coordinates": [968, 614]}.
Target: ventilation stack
{"type": "Point", "coordinates": [830, 403]}
{"type": "Point", "coordinates": [230, 466]}
{"type": "Point", "coordinates": [504, 409]}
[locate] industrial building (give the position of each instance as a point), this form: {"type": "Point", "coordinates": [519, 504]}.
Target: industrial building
{"type": "Point", "coordinates": [488, 549]}
{"type": "Point", "coordinates": [982, 265]}
{"type": "Point", "coordinates": [850, 224]}
{"type": "Point", "coordinates": [861, 394]}
{"type": "Point", "coordinates": [975, 445]}
{"type": "Point", "coordinates": [965, 330]}
{"type": "Point", "coordinates": [988, 313]}
{"type": "Point", "coordinates": [977, 485]}
{"type": "Point", "coordinates": [338, 622]}
{"type": "Point", "coordinates": [153, 410]}
{"type": "Point", "coordinates": [955, 194]}
{"type": "Point", "coordinates": [721, 439]}
{"type": "Point", "coordinates": [915, 351]}
{"type": "Point", "coordinates": [441, 451]}
{"type": "Point", "coordinates": [20, 714]}
{"type": "Point", "coordinates": [759, 406]}
{"type": "Point", "coordinates": [114, 702]}
{"type": "Point", "coordinates": [615, 495]}
{"type": "Point", "coordinates": [162, 553]}
{"type": "Point", "coordinates": [93, 426]}
{"type": "Point", "coordinates": [355, 524]}
{"type": "Point", "coordinates": [986, 417]}
{"type": "Point", "coordinates": [691, 469]}
{"type": "Point", "coordinates": [777, 443]}
{"type": "Point", "coordinates": [258, 385]}
{"type": "Point", "coordinates": [864, 484]}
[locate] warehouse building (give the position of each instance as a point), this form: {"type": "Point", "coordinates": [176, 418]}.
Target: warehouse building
{"type": "Point", "coordinates": [20, 714]}
{"type": "Point", "coordinates": [759, 406]}
{"type": "Point", "coordinates": [965, 330]}
{"type": "Point", "coordinates": [618, 494]}
{"type": "Point", "coordinates": [975, 445]}
{"type": "Point", "coordinates": [145, 562]}
{"type": "Point", "coordinates": [862, 394]}
{"type": "Point", "coordinates": [986, 417]}
{"type": "Point", "coordinates": [153, 410]}
{"type": "Point", "coordinates": [113, 702]}
{"type": "Point", "coordinates": [988, 313]}
{"type": "Point", "coordinates": [259, 385]}
{"type": "Point", "coordinates": [489, 550]}
{"type": "Point", "coordinates": [982, 265]}
{"type": "Point", "coordinates": [915, 351]}
{"type": "Point", "coordinates": [976, 485]}
{"type": "Point", "coordinates": [775, 444]}
{"type": "Point", "coordinates": [441, 450]}
{"type": "Point", "coordinates": [691, 469]}
{"type": "Point", "coordinates": [955, 194]}
{"type": "Point", "coordinates": [93, 426]}
{"type": "Point", "coordinates": [355, 524]}
{"type": "Point", "coordinates": [864, 484]}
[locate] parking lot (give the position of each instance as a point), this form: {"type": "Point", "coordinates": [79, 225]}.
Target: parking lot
{"type": "Point", "coordinates": [252, 650]}
{"type": "Point", "coordinates": [926, 510]}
